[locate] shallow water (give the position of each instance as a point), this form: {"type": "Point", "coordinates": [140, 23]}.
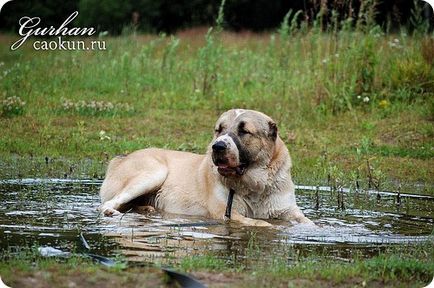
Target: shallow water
{"type": "Point", "coordinates": [53, 212]}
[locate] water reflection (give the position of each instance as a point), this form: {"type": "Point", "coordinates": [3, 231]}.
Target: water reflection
{"type": "Point", "coordinates": [54, 212]}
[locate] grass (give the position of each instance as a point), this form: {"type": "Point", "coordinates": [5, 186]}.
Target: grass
{"type": "Point", "coordinates": [340, 98]}
{"type": "Point", "coordinates": [410, 266]}
{"type": "Point", "coordinates": [75, 272]}
{"type": "Point", "coordinates": [399, 266]}
{"type": "Point", "coordinates": [353, 104]}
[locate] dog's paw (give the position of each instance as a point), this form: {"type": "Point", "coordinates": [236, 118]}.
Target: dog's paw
{"type": "Point", "coordinates": [256, 222]}
{"type": "Point", "coordinates": [144, 209]}
{"type": "Point", "coordinates": [109, 211]}
{"type": "Point", "coordinates": [261, 223]}
{"type": "Point", "coordinates": [250, 222]}
{"type": "Point", "coordinates": [306, 221]}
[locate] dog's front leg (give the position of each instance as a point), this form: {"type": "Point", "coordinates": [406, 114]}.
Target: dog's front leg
{"type": "Point", "coordinates": [249, 221]}
{"type": "Point", "coordinates": [294, 213]}
{"type": "Point", "coordinates": [219, 213]}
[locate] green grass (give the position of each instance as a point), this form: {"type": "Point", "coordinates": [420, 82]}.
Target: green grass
{"type": "Point", "coordinates": [397, 266]}
{"type": "Point", "coordinates": [54, 272]}
{"type": "Point", "coordinates": [314, 84]}
{"type": "Point", "coordinates": [204, 262]}
{"type": "Point", "coordinates": [352, 104]}
{"type": "Point", "coordinates": [410, 266]}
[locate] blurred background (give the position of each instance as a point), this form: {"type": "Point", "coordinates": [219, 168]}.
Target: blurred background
{"type": "Point", "coordinates": [151, 16]}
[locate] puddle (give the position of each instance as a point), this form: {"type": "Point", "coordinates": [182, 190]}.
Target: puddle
{"type": "Point", "coordinates": [53, 212]}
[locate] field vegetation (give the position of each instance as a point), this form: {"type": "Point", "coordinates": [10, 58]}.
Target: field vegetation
{"type": "Point", "coordinates": [353, 101]}
{"type": "Point", "coordinates": [406, 266]}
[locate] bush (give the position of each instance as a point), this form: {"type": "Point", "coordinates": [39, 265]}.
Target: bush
{"type": "Point", "coordinates": [105, 15]}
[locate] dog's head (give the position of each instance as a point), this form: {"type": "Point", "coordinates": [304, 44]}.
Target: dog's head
{"type": "Point", "coordinates": [242, 139]}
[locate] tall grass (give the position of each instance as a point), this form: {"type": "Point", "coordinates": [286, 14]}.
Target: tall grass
{"type": "Point", "coordinates": [306, 74]}
{"type": "Point", "coordinates": [306, 68]}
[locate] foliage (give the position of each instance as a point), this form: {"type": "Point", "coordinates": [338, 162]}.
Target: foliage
{"type": "Point", "coordinates": [105, 14]}
{"type": "Point", "coordinates": [260, 15]}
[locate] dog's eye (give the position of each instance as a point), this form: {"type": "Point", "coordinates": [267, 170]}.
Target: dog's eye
{"type": "Point", "coordinates": [219, 129]}
{"type": "Point", "coordinates": [242, 131]}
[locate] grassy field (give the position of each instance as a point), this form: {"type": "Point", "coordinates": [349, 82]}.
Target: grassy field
{"type": "Point", "coordinates": [406, 266]}
{"type": "Point", "coordinates": [351, 105]}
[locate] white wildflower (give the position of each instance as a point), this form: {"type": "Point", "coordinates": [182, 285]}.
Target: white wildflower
{"type": "Point", "coordinates": [103, 135]}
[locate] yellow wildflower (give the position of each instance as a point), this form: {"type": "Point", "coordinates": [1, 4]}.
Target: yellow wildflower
{"type": "Point", "coordinates": [384, 104]}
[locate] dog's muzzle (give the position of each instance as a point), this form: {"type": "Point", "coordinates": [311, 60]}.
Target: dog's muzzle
{"type": "Point", "coordinates": [227, 164]}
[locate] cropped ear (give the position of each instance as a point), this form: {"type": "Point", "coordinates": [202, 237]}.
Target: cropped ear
{"type": "Point", "coordinates": [272, 130]}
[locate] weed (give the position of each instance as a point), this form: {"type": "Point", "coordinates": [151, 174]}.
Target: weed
{"type": "Point", "coordinates": [12, 106]}
{"type": "Point", "coordinates": [397, 265]}
{"type": "Point", "coordinates": [427, 50]}
{"type": "Point", "coordinates": [207, 262]}
{"type": "Point", "coordinates": [420, 24]}
{"type": "Point", "coordinates": [95, 108]}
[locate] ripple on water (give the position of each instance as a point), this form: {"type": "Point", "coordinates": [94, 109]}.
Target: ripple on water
{"type": "Point", "coordinates": [54, 210]}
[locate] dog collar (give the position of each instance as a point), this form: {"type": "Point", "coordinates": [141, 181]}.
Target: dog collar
{"type": "Point", "coordinates": [229, 203]}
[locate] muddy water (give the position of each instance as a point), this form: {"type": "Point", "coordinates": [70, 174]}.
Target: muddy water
{"type": "Point", "coordinates": [53, 212]}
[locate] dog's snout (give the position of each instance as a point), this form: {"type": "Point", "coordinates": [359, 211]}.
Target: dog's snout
{"type": "Point", "coordinates": [219, 146]}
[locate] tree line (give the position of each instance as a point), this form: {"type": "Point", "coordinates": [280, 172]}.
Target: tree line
{"type": "Point", "coordinates": [156, 16]}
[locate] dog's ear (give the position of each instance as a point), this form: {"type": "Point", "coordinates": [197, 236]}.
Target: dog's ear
{"type": "Point", "coordinates": [272, 130]}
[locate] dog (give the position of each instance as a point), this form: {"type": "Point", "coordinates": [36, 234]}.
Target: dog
{"type": "Point", "coordinates": [246, 155]}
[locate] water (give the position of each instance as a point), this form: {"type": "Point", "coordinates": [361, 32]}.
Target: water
{"type": "Point", "coordinates": [53, 212]}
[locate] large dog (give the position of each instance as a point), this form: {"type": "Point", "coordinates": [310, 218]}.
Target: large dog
{"type": "Point", "coordinates": [246, 155]}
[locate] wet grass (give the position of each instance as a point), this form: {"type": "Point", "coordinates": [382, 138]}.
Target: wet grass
{"type": "Point", "coordinates": [407, 265]}
{"type": "Point", "coordinates": [410, 266]}
{"type": "Point", "coordinates": [75, 272]}
{"type": "Point", "coordinates": [399, 266]}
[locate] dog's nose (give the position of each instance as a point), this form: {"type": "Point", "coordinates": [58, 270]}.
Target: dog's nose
{"type": "Point", "coordinates": [219, 146]}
